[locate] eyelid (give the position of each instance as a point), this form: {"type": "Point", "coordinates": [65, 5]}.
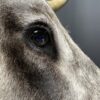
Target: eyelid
{"type": "Point", "coordinates": [40, 19]}
{"type": "Point", "coordinates": [39, 23]}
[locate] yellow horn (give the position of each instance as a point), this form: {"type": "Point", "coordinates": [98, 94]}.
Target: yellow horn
{"type": "Point", "coordinates": [56, 4]}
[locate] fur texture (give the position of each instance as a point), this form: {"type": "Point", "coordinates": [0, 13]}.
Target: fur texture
{"type": "Point", "coordinates": [30, 73]}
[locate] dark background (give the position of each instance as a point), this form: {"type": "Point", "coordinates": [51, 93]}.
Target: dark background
{"type": "Point", "coordinates": [82, 18]}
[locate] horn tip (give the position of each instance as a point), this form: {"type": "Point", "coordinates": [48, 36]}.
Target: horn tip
{"type": "Point", "coordinates": [57, 4]}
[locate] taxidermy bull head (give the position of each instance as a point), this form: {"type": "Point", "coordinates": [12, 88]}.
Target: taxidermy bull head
{"type": "Point", "coordinates": [38, 58]}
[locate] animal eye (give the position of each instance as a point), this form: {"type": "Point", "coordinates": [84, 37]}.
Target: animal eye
{"type": "Point", "coordinates": [39, 34]}
{"type": "Point", "coordinates": [39, 37]}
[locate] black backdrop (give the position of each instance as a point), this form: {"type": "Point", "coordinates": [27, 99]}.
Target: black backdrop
{"type": "Point", "coordinates": [82, 18]}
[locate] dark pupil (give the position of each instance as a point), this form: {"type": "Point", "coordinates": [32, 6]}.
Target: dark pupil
{"type": "Point", "coordinates": [40, 36]}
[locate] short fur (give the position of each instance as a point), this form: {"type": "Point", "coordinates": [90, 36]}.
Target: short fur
{"type": "Point", "coordinates": [31, 74]}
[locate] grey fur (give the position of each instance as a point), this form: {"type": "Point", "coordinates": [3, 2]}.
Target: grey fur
{"type": "Point", "coordinates": [26, 74]}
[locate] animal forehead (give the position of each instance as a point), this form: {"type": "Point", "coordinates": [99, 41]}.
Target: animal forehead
{"type": "Point", "coordinates": [26, 6]}
{"type": "Point", "coordinates": [23, 4]}
{"type": "Point", "coordinates": [28, 2]}
{"type": "Point", "coordinates": [24, 9]}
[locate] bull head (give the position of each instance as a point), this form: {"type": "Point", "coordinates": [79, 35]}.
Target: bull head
{"type": "Point", "coordinates": [38, 58]}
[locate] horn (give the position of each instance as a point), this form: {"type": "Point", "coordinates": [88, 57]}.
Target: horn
{"type": "Point", "coordinates": [56, 4]}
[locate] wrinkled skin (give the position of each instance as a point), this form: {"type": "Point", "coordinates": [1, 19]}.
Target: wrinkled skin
{"type": "Point", "coordinates": [63, 72]}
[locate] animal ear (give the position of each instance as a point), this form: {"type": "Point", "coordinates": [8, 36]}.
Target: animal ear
{"type": "Point", "coordinates": [56, 4]}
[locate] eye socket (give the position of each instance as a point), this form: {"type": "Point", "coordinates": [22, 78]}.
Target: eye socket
{"type": "Point", "coordinates": [39, 34]}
